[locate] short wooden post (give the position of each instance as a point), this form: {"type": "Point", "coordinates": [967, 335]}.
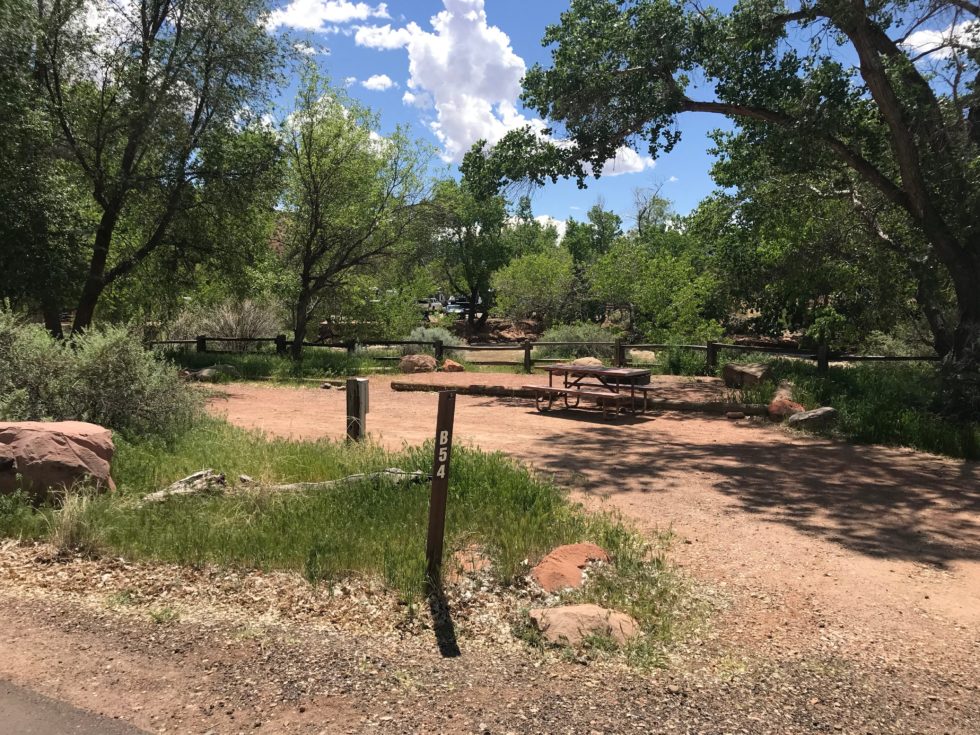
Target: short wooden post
{"type": "Point", "coordinates": [619, 360]}
{"type": "Point", "coordinates": [351, 348]}
{"type": "Point", "coordinates": [281, 345]}
{"type": "Point", "coordinates": [440, 486]}
{"type": "Point", "coordinates": [823, 358]}
{"type": "Point", "coordinates": [202, 343]}
{"type": "Point", "coordinates": [437, 349]}
{"type": "Point", "coordinates": [527, 356]}
{"type": "Point", "coordinates": [357, 408]}
{"type": "Point", "coordinates": [712, 355]}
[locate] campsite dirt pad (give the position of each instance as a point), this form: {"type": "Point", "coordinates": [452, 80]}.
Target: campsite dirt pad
{"type": "Point", "coordinates": [847, 581]}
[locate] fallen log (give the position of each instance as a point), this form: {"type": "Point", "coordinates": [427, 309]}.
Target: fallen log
{"type": "Point", "coordinates": [209, 482]}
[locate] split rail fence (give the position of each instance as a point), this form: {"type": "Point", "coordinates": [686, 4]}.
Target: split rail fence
{"type": "Point", "coordinates": [619, 350]}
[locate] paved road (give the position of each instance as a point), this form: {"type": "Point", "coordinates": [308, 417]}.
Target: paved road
{"type": "Point", "coordinates": [23, 712]}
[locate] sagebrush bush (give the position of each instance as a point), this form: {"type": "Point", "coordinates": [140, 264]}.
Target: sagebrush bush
{"type": "Point", "coordinates": [578, 332]}
{"type": "Point", "coordinates": [238, 319]}
{"type": "Point", "coordinates": [429, 334]}
{"type": "Point", "coordinates": [103, 376]}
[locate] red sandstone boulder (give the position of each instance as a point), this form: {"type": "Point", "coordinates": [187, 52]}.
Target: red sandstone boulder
{"type": "Point", "coordinates": [562, 568]}
{"type": "Point", "coordinates": [739, 375]}
{"type": "Point", "coordinates": [587, 361]}
{"type": "Point", "coordinates": [451, 366]}
{"type": "Point", "coordinates": [781, 409]}
{"type": "Point", "coordinates": [417, 364]}
{"type": "Point", "coordinates": [52, 455]}
{"type": "Point", "coordinates": [571, 624]}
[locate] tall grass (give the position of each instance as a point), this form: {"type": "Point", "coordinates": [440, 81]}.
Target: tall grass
{"type": "Point", "coordinates": [369, 527]}
{"type": "Point", "coordinates": [317, 362]}
{"type": "Point", "coordinates": [895, 404]}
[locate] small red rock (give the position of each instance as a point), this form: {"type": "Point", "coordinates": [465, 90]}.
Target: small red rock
{"type": "Point", "coordinates": [571, 624]}
{"type": "Point", "coordinates": [451, 366]}
{"type": "Point", "coordinates": [782, 408]}
{"type": "Point", "coordinates": [563, 567]}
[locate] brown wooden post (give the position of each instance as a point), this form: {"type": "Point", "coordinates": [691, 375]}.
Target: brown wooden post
{"type": "Point", "coordinates": [440, 486]}
{"type": "Point", "coordinates": [202, 343]}
{"type": "Point", "coordinates": [619, 360]}
{"type": "Point", "coordinates": [357, 408]}
{"type": "Point", "coordinates": [712, 355]}
{"type": "Point", "coordinates": [351, 348]}
{"type": "Point", "coordinates": [437, 349]}
{"type": "Point", "coordinates": [823, 358]}
{"type": "Point", "coordinates": [281, 345]}
{"type": "Point", "coordinates": [527, 356]}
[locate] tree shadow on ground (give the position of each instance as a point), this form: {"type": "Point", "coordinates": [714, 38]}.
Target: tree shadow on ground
{"type": "Point", "coordinates": [879, 501]}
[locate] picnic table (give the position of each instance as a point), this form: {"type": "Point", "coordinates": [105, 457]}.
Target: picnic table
{"type": "Point", "coordinates": [610, 387]}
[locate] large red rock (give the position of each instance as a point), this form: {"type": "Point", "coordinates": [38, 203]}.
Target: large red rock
{"type": "Point", "coordinates": [782, 408]}
{"type": "Point", "coordinates": [745, 375]}
{"type": "Point", "coordinates": [587, 361]}
{"type": "Point", "coordinates": [562, 568]}
{"type": "Point", "coordinates": [417, 364]}
{"type": "Point", "coordinates": [572, 624]}
{"type": "Point", "coordinates": [54, 455]}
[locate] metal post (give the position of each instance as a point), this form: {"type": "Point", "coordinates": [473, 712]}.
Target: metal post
{"type": "Point", "coordinates": [823, 358]}
{"type": "Point", "coordinates": [440, 486]}
{"type": "Point", "coordinates": [527, 356]}
{"type": "Point", "coordinates": [712, 355]}
{"type": "Point", "coordinates": [202, 343]}
{"type": "Point", "coordinates": [357, 408]}
{"type": "Point", "coordinates": [437, 349]}
{"type": "Point", "coordinates": [281, 345]}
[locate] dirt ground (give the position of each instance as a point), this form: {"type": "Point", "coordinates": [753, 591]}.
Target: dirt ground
{"type": "Point", "coordinates": [847, 581]}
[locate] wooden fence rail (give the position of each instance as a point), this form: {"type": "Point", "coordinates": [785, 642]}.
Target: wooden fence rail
{"type": "Point", "coordinates": [822, 356]}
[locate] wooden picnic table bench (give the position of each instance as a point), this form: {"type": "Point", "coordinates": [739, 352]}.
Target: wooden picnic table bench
{"type": "Point", "coordinates": [606, 386]}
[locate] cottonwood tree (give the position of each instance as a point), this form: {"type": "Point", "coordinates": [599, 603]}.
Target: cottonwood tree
{"type": "Point", "coordinates": [470, 241]}
{"type": "Point", "coordinates": [825, 85]}
{"type": "Point", "coordinates": [143, 98]}
{"type": "Point", "coordinates": [352, 197]}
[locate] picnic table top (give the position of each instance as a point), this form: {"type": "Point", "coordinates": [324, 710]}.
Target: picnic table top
{"type": "Point", "coordinates": [597, 370]}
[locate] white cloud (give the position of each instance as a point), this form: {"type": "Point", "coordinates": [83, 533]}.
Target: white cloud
{"type": "Point", "coordinates": [316, 15]}
{"type": "Point", "coordinates": [466, 72]}
{"type": "Point", "coordinates": [673, 180]}
{"type": "Point", "coordinates": [304, 48]}
{"type": "Point", "coordinates": [627, 161]}
{"type": "Point", "coordinates": [548, 221]}
{"type": "Point", "coordinates": [937, 42]}
{"type": "Point", "coordinates": [348, 81]}
{"type": "Point", "coordinates": [378, 83]}
{"type": "Point", "coordinates": [385, 37]}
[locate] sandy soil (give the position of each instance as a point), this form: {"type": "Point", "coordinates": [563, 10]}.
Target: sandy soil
{"type": "Point", "coordinates": [850, 578]}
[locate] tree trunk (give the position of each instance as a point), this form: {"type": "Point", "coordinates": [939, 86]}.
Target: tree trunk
{"type": "Point", "coordinates": [95, 282]}
{"type": "Point", "coordinates": [52, 320]}
{"type": "Point", "coordinates": [301, 319]}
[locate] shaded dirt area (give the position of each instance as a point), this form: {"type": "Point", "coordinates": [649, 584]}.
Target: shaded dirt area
{"type": "Point", "coordinates": [846, 584]}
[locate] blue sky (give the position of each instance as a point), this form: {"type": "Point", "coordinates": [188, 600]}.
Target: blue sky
{"type": "Point", "coordinates": [451, 71]}
{"type": "Point", "coordinates": [458, 79]}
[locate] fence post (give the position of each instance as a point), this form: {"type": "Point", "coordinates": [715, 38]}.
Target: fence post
{"type": "Point", "coordinates": [357, 408]}
{"type": "Point", "coordinates": [281, 344]}
{"type": "Point", "coordinates": [712, 355]}
{"type": "Point", "coordinates": [527, 356]}
{"type": "Point", "coordinates": [823, 358]}
{"type": "Point", "coordinates": [437, 349]}
{"type": "Point", "coordinates": [202, 343]}
{"type": "Point", "coordinates": [620, 358]}
{"type": "Point", "coordinates": [351, 348]}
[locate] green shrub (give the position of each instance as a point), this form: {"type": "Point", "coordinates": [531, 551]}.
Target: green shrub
{"type": "Point", "coordinates": [896, 404]}
{"type": "Point", "coordinates": [587, 332]}
{"type": "Point", "coordinates": [429, 334]}
{"type": "Point", "coordinates": [237, 319]}
{"type": "Point", "coordinates": [103, 376]}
